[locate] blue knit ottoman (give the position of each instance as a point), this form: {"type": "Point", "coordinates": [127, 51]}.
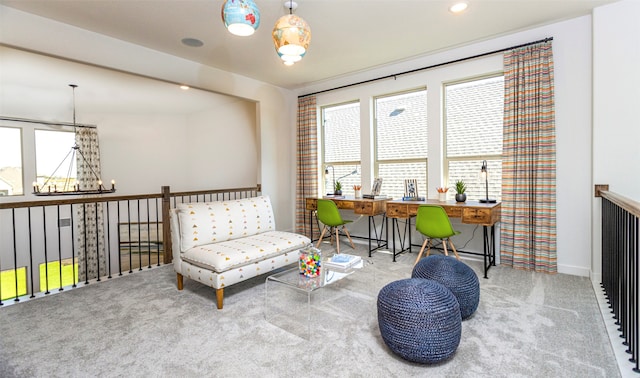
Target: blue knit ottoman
{"type": "Point", "coordinates": [419, 320]}
{"type": "Point", "coordinates": [455, 276]}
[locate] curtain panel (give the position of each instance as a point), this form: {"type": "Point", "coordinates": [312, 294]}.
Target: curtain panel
{"type": "Point", "coordinates": [90, 224]}
{"type": "Point", "coordinates": [307, 162]}
{"type": "Point", "coordinates": [528, 229]}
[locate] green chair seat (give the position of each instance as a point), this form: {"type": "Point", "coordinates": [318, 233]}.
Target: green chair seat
{"type": "Point", "coordinates": [433, 222]}
{"type": "Point", "coordinates": [329, 215]}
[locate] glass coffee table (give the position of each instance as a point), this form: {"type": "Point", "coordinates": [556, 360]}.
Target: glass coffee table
{"type": "Point", "coordinates": [291, 298]}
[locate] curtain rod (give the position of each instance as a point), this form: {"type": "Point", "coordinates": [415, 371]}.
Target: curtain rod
{"type": "Point", "coordinates": [26, 120]}
{"type": "Point", "coordinates": [429, 67]}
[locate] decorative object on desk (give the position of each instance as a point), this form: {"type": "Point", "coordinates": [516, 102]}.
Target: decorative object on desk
{"type": "Point", "coordinates": [342, 261]}
{"type": "Point", "coordinates": [419, 320]}
{"type": "Point", "coordinates": [375, 190]}
{"type": "Point", "coordinates": [71, 185]}
{"type": "Point", "coordinates": [442, 194]}
{"type": "Point", "coordinates": [484, 173]}
{"type": "Point", "coordinates": [310, 261]}
{"type": "Point", "coordinates": [377, 185]}
{"type": "Point", "coordinates": [357, 190]}
{"type": "Point", "coordinates": [461, 188]}
{"type": "Point", "coordinates": [410, 190]}
{"type": "Point", "coordinates": [337, 188]}
{"type": "Point", "coordinates": [455, 276]}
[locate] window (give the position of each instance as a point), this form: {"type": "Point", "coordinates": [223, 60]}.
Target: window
{"type": "Point", "coordinates": [341, 146]}
{"type": "Point", "coordinates": [55, 160]}
{"type": "Point", "coordinates": [473, 133]}
{"type": "Point", "coordinates": [57, 274]}
{"type": "Point", "coordinates": [11, 161]}
{"type": "Point", "coordinates": [401, 141]}
{"type": "Point", "coordinates": [12, 279]}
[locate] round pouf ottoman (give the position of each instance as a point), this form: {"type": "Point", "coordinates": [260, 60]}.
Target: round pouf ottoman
{"type": "Point", "coordinates": [455, 276]}
{"type": "Point", "coordinates": [419, 320]}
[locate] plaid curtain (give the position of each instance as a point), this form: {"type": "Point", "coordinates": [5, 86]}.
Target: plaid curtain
{"type": "Point", "coordinates": [90, 223]}
{"type": "Point", "coordinates": [528, 230]}
{"type": "Point", "coordinates": [307, 161]}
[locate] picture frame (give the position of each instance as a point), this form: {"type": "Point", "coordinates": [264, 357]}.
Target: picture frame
{"type": "Point", "coordinates": [411, 188]}
{"type": "Point", "coordinates": [377, 184]}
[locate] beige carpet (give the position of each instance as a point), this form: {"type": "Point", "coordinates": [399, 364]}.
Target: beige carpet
{"type": "Point", "coordinates": [527, 325]}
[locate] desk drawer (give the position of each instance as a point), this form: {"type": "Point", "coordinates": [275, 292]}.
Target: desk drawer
{"type": "Point", "coordinates": [477, 216]}
{"type": "Point", "coordinates": [453, 212]}
{"type": "Point", "coordinates": [311, 204]}
{"type": "Point", "coordinates": [369, 208]}
{"type": "Point", "coordinates": [344, 205]}
{"type": "Point", "coordinates": [396, 210]}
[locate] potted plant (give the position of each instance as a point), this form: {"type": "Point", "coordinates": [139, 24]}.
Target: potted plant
{"type": "Point", "coordinates": [337, 188]}
{"type": "Point", "coordinates": [461, 188]}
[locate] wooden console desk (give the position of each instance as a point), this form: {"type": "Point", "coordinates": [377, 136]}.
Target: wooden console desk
{"type": "Point", "coordinates": [360, 206]}
{"type": "Point", "coordinates": [470, 212]}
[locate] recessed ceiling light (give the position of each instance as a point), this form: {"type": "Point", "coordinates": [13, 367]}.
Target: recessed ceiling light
{"type": "Point", "coordinates": [458, 7]}
{"type": "Point", "coordinates": [192, 42]}
{"type": "Point", "coordinates": [184, 87]}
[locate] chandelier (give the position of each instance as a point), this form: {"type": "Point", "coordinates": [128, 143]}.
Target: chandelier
{"type": "Point", "coordinates": [50, 188]}
{"type": "Point", "coordinates": [291, 36]}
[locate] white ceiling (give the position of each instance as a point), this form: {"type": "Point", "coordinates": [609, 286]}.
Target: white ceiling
{"type": "Point", "coordinates": [348, 36]}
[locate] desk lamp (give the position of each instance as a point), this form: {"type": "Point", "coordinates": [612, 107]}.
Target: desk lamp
{"type": "Point", "coordinates": [485, 174]}
{"type": "Point", "coordinates": [326, 172]}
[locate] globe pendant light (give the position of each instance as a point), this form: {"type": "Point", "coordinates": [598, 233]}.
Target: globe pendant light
{"type": "Point", "coordinates": [241, 17]}
{"type": "Point", "coordinates": [291, 35]}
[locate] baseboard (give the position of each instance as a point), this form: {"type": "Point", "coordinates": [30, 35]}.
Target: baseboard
{"type": "Point", "coordinates": [622, 358]}
{"type": "Point", "coordinates": [574, 270]}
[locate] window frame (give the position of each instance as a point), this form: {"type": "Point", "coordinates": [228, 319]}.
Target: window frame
{"type": "Point", "coordinates": [346, 163]}
{"type": "Point", "coordinates": [377, 162]}
{"type": "Point", "coordinates": [445, 158]}
{"type": "Point", "coordinates": [22, 159]}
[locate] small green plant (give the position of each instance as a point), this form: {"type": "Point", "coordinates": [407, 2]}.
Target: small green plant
{"type": "Point", "coordinates": [461, 187]}
{"type": "Point", "coordinates": [337, 186]}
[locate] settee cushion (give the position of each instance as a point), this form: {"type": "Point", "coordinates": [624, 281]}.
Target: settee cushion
{"type": "Point", "coordinates": [235, 253]}
{"type": "Point", "coordinates": [213, 222]}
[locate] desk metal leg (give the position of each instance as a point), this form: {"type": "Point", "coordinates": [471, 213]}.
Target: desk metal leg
{"type": "Point", "coordinates": [489, 248]}
{"type": "Point", "coordinates": [404, 237]}
{"type": "Point", "coordinates": [369, 233]}
{"type": "Point", "coordinates": [380, 243]}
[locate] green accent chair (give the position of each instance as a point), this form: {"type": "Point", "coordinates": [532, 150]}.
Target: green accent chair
{"type": "Point", "coordinates": [433, 222]}
{"type": "Point", "coordinates": [330, 217]}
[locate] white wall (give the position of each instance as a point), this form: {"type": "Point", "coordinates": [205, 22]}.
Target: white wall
{"type": "Point", "coordinates": [572, 56]}
{"type": "Point", "coordinates": [616, 97]}
{"type": "Point", "coordinates": [219, 138]}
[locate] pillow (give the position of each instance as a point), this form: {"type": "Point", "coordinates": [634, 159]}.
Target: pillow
{"type": "Point", "coordinates": [212, 222]}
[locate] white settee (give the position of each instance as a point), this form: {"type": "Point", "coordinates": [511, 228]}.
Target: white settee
{"type": "Point", "coordinates": [225, 242]}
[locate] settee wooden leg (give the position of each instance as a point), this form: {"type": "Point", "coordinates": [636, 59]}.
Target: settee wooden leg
{"type": "Point", "coordinates": [219, 297]}
{"type": "Point", "coordinates": [180, 284]}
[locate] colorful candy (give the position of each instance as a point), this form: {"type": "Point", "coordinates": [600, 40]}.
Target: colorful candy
{"type": "Point", "coordinates": [310, 261]}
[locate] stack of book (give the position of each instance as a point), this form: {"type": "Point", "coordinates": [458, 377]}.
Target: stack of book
{"type": "Point", "coordinates": [376, 196]}
{"type": "Point", "coordinates": [342, 261]}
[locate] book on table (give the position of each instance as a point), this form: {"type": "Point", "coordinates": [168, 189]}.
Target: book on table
{"type": "Point", "coordinates": [342, 261]}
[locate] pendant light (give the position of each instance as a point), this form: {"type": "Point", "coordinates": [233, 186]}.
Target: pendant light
{"type": "Point", "coordinates": [241, 17]}
{"type": "Point", "coordinates": [291, 35]}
